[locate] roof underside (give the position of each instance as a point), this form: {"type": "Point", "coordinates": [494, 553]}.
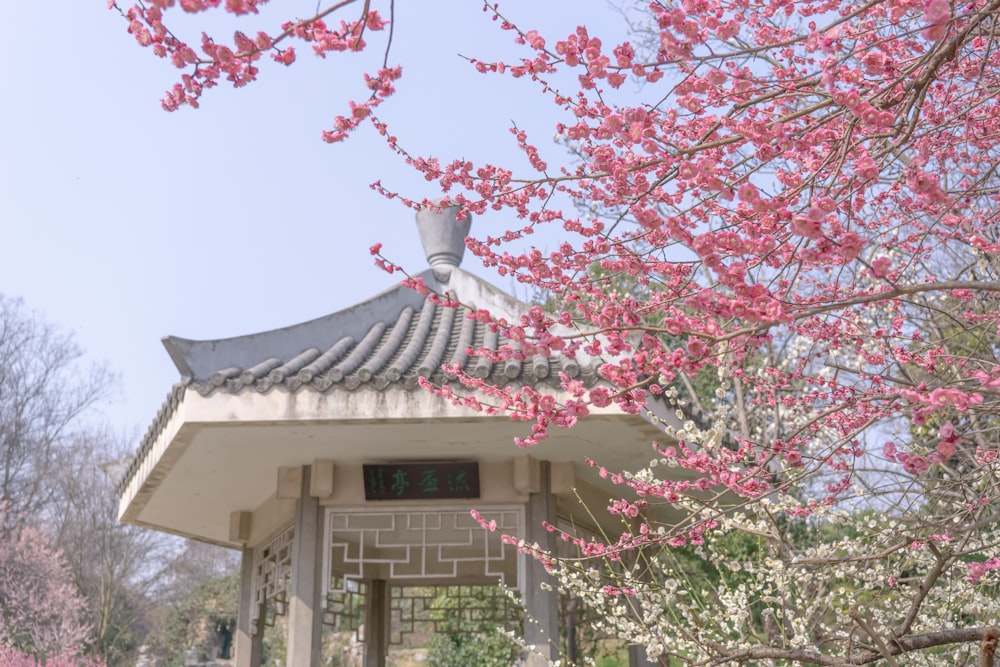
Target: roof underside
{"type": "Point", "coordinates": [209, 470]}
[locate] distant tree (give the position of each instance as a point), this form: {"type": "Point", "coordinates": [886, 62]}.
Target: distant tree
{"type": "Point", "coordinates": [11, 657]}
{"type": "Point", "coordinates": [491, 648]}
{"type": "Point", "coordinates": [118, 568]}
{"type": "Point", "coordinates": [197, 606]}
{"type": "Point", "coordinates": [41, 612]}
{"type": "Point", "coordinates": [195, 563]}
{"type": "Point", "coordinates": [463, 635]}
{"type": "Point", "coordinates": [203, 621]}
{"type": "Point", "coordinates": [44, 392]}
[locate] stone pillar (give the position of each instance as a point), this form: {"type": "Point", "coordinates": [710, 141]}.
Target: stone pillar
{"type": "Point", "coordinates": [305, 604]}
{"type": "Point", "coordinates": [541, 627]}
{"type": "Point", "coordinates": [247, 644]}
{"type": "Point", "coordinates": [376, 622]}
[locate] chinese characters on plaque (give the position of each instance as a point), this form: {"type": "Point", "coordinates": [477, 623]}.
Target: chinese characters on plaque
{"type": "Point", "coordinates": [421, 481]}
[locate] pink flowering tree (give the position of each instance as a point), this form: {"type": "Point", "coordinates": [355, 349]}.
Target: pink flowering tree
{"type": "Point", "coordinates": [12, 657]}
{"type": "Point", "coordinates": [42, 615]}
{"type": "Point", "coordinates": [802, 198]}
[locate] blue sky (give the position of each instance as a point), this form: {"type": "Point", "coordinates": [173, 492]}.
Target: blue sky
{"type": "Point", "coordinates": [124, 223]}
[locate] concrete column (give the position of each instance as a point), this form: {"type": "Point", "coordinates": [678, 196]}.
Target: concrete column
{"type": "Point", "coordinates": [247, 643]}
{"type": "Point", "coordinates": [376, 622]}
{"type": "Point", "coordinates": [305, 606]}
{"type": "Point", "coordinates": [541, 627]}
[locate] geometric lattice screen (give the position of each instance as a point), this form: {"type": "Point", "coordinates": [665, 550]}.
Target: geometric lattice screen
{"type": "Point", "coordinates": [444, 570]}
{"type": "Point", "coordinates": [272, 568]}
{"type": "Point", "coordinates": [428, 610]}
{"type": "Point", "coordinates": [437, 546]}
{"type": "Point", "coordinates": [344, 605]}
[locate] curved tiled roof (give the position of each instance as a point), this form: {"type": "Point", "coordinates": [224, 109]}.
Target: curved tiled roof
{"type": "Point", "coordinates": [388, 341]}
{"type": "Point", "coordinates": [416, 343]}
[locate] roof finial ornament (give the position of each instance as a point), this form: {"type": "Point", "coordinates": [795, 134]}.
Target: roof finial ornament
{"type": "Point", "coordinates": [443, 237]}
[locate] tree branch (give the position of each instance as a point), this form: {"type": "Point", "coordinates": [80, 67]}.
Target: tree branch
{"type": "Point", "coordinates": [898, 647]}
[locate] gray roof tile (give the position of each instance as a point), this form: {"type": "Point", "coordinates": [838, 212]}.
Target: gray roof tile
{"type": "Point", "coordinates": [396, 351]}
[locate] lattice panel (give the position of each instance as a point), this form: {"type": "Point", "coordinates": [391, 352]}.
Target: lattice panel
{"type": "Point", "coordinates": [452, 610]}
{"type": "Point", "coordinates": [435, 546]}
{"type": "Point", "coordinates": [272, 570]}
{"type": "Point", "coordinates": [345, 604]}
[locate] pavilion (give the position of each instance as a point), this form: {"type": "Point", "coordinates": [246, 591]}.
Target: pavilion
{"type": "Point", "coordinates": [313, 450]}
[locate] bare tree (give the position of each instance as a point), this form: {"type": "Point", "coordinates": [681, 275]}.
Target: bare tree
{"type": "Point", "coordinates": [118, 568]}
{"type": "Point", "coordinates": [44, 392]}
